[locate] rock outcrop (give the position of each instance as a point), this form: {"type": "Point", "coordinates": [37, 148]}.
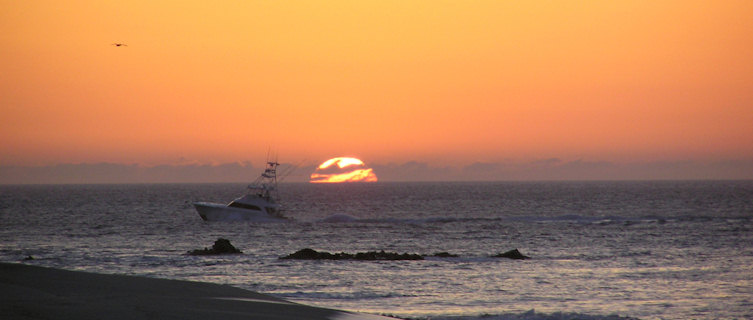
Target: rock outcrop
{"type": "Point", "coordinates": [512, 254]}
{"type": "Point", "coordinates": [221, 246]}
{"type": "Point", "coordinates": [444, 254]}
{"type": "Point", "coordinates": [311, 254]}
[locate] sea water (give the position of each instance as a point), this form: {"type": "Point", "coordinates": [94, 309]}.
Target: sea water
{"type": "Point", "coordinates": [599, 250]}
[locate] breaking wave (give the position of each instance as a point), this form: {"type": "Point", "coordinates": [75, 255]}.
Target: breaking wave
{"type": "Point", "coordinates": [533, 315]}
{"type": "Point", "coordinates": [567, 218]}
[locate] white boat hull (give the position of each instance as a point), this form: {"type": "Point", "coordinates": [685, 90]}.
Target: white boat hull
{"type": "Point", "coordinates": [220, 212]}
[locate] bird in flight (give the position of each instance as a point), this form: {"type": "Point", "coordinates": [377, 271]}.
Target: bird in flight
{"type": "Point", "coordinates": [118, 44]}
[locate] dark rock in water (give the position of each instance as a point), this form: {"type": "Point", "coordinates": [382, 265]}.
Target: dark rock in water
{"type": "Point", "coordinates": [381, 255]}
{"type": "Point", "coordinates": [28, 258]}
{"type": "Point", "coordinates": [512, 254]}
{"type": "Point", "coordinates": [221, 246]}
{"type": "Point", "coordinates": [224, 246]}
{"type": "Point", "coordinates": [311, 254]}
{"type": "Point", "coordinates": [444, 254]}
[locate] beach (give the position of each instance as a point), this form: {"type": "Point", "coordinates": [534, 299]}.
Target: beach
{"type": "Point", "coordinates": [32, 292]}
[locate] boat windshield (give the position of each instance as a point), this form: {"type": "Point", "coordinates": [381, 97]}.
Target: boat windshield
{"type": "Point", "coordinates": [236, 204]}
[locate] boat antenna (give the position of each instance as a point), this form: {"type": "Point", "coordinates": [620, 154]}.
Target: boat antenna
{"type": "Point", "coordinates": [288, 170]}
{"type": "Point", "coordinates": [271, 155]}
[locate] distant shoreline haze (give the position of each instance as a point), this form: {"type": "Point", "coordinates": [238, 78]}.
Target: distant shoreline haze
{"type": "Point", "coordinates": [552, 169]}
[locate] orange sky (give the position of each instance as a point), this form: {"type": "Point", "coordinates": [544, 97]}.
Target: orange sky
{"type": "Point", "coordinates": [444, 82]}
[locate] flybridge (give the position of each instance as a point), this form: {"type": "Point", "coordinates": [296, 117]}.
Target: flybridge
{"type": "Point", "coordinates": [271, 170]}
{"type": "Point", "coordinates": [266, 185]}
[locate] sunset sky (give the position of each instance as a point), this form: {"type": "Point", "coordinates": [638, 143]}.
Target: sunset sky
{"type": "Point", "coordinates": [448, 83]}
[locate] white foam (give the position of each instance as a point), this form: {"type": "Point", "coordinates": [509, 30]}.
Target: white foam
{"type": "Point", "coordinates": [253, 300]}
{"type": "Point", "coordinates": [358, 316]}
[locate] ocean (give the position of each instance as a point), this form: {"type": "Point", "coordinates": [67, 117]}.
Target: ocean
{"type": "Point", "coordinates": [599, 250]}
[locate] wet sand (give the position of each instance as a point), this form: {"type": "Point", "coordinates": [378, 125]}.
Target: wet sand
{"type": "Point", "coordinates": [32, 292]}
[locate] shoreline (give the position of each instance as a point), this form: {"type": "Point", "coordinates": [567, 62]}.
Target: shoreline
{"type": "Point", "coordinates": [34, 292]}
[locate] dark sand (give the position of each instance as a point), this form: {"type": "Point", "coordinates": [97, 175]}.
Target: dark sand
{"type": "Point", "coordinates": [31, 292]}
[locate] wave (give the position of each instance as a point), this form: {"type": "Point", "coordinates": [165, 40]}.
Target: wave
{"type": "Point", "coordinates": [346, 218]}
{"type": "Point", "coordinates": [580, 219]}
{"type": "Point", "coordinates": [340, 218]}
{"type": "Point", "coordinates": [533, 315]}
{"type": "Point", "coordinates": [567, 218]}
{"type": "Point", "coordinates": [319, 295]}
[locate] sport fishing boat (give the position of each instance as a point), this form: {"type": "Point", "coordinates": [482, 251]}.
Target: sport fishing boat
{"type": "Point", "coordinates": [258, 205]}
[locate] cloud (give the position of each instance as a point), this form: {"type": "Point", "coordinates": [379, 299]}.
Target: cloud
{"type": "Point", "coordinates": [546, 162]}
{"type": "Point", "coordinates": [125, 173]}
{"type": "Point", "coordinates": [546, 169]}
{"type": "Point", "coordinates": [415, 171]}
{"type": "Point", "coordinates": [558, 169]}
{"type": "Point", "coordinates": [481, 167]}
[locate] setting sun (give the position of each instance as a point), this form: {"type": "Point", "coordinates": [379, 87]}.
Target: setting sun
{"type": "Point", "coordinates": [343, 169]}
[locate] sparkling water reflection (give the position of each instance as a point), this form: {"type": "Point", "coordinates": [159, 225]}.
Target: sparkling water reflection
{"type": "Point", "coordinates": [672, 250]}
